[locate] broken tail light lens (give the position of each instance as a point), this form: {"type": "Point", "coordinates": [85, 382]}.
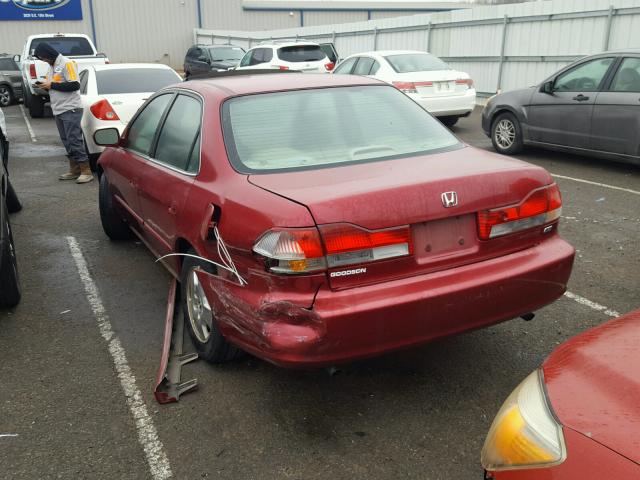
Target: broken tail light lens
{"type": "Point", "coordinates": [541, 206]}
{"type": "Point", "coordinates": [103, 110]}
{"type": "Point", "coordinates": [302, 250]}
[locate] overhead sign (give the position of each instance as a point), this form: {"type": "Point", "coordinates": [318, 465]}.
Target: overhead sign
{"type": "Point", "coordinates": [40, 9]}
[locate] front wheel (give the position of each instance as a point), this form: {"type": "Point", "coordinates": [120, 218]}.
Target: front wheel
{"type": "Point", "coordinates": [199, 316]}
{"type": "Point", "coordinates": [6, 96]}
{"type": "Point", "coordinates": [10, 292]}
{"type": "Point", "coordinates": [506, 134]}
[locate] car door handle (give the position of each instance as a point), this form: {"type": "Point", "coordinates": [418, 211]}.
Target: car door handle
{"type": "Point", "coordinates": [581, 98]}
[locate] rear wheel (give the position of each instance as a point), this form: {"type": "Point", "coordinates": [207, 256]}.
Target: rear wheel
{"type": "Point", "coordinates": [450, 120]}
{"type": "Point", "coordinates": [112, 223]}
{"type": "Point", "coordinates": [35, 104]}
{"type": "Point", "coordinates": [6, 96]}
{"type": "Point", "coordinates": [199, 316]}
{"type": "Point", "coordinates": [506, 134]}
{"type": "Point", "coordinates": [10, 291]}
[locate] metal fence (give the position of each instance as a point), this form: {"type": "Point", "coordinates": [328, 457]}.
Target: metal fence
{"type": "Point", "coordinates": [501, 47]}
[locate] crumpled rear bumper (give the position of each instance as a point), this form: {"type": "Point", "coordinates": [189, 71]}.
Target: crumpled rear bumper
{"type": "Point", "coordinates": [342, 326]}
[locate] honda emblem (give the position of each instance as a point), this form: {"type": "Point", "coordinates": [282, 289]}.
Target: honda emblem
{"type": "Point", "coordinates": [449, 199]}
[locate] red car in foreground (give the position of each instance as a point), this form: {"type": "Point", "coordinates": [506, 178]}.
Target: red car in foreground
{"type": "Point", "coordinates": [345, 220]}
{"type": "Point", "coordinates": [578, 417]}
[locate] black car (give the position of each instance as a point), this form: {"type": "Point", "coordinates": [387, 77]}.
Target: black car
{"type": "Point", "coordinates": [10, 81]}
{"type": "Point", "coordinates": [591, 107]}
{"type": "Point", "coordinates": [202, 59]}
{"type": "Point", "coordinates": [9, 280]}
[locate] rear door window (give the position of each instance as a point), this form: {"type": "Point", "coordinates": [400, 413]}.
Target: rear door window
{"type": "Point", "coordinates": [179, 133]}
{"type": "Point", "coordinates": [364, 66]}
{"type": "Point", "coordinates": [346, 66]}
{"type": "Point", "coordinates": [144, 126]}
{"type": "Point", "coordinates": [627, 77]}
{"type": "Point", "coordinates": [301, 53]}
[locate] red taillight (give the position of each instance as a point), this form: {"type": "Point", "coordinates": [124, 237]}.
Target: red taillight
{"type": "Point", "coordinates": [541, 206]}
{"type": "Point", "coordinates": [283, 67]}
{"type": "Point", "coordinates": [103, 110]}
{"type": "Point", "coordinates": [329, 66]}
{"type": "Point", "coordinates": [301, 250]}
{"type": "Point", "coordinates": [465, 81]}
{"type": "Point", "coordinates": [406, 87]}
{"type": "Point", "coordinates": [32, 71]}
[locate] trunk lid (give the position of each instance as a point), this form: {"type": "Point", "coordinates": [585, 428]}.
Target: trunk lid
{"type": "Point", "coordinates": [385, 194]}
{"type": "Point", "coordinates": [593, 383]}
{"type": "Point", "coordinates": [436, 83]}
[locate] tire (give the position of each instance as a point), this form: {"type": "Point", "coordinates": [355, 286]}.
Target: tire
{"type": "Point", "coordinates": [7, 96]}
{"type": "Point", "coordinates": [13, 203]}
{"type": "Point", "coordinates": [10, 291]}
{"type": "Point", "coordinates": [35, 104]}
{"type": "Point", "coordinates": [93, 161]}
{"type": "Point", "coordinates": [506, 134]}
{"type": "Point", "coordinates": [201, 323]}
{"type": "Point", "coordinates": [112, 223]}
{"type": "Point", "coordinates": [449, 121]}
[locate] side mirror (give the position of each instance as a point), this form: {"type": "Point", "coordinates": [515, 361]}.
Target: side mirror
{"type": "Point", "coordinates": [16, 58]}
{"type": "Point", "coordinates": [107, 137]}
{"type": "Point", "coordinates": [203, 59]}
{"type": "Point", "coordinates": [547, 87]}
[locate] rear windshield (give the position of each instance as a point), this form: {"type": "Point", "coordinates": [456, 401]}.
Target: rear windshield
{"type": "Point", "coordinates": [220, 54]}
{"type": "Point", "coordinates": [309, 129]}
{"type": "Point", "coordinates": [301, 53]}
{"type": "Point", "coordinates": [67, 46]}
{"type": "Point", "coordinates": [416, 62]}
{"type": "Point", "coordinates": [134, 80]}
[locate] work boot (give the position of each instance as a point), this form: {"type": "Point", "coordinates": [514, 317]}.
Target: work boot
{"type": "Point", "coordinates": [73, 173]}
{"type": "Point", "coordinates": [85, 173]}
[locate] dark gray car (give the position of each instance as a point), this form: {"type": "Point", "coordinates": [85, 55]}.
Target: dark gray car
{"type": "Point", "coordinates": [202, 59]}
{"type": "Point", "coordinates": [591, 107]}
{"type": "Point", "coordinates": [10, 81]}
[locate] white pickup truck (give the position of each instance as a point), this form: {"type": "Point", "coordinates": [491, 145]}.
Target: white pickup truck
{"type": "Point", "coordinates": [75, 46]}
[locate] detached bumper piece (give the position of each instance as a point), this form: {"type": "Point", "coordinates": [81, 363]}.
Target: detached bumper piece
{"type": "Point", "coordinates": [168, 387]}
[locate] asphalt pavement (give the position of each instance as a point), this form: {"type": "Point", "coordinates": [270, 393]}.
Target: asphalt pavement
{"type": "Point", "coordinates": [70, 408]}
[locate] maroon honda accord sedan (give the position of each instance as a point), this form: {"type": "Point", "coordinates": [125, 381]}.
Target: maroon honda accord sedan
{"type": "Point", "coordinates": [343, 220]}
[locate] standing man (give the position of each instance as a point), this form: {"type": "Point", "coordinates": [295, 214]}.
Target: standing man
{"type": "Point", "coordinates": [64, 92]}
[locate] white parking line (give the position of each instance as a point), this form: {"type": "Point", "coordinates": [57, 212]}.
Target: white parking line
{"type": "Point", "coordinates": [612, 187]}
{"type": "Point", "coordinates": [26, 120]}
{"type": "Point", "coordinates": [590, 304]}
{"type": "Point", "coordinates": [147, 434]}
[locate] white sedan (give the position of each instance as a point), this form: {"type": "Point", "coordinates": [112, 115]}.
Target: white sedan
{"type": "Point", "coordinates": [446, 93]}
{"type": "Point", "coordinates": [111, 94]}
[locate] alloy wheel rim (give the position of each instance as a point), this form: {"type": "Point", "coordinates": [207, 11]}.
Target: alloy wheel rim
{"type": "Point", "coordinates": [200, 314]}
{"type": "Point", "coordinates": [4, 96]}
{"type": "Point", "coordinates": [505, 133]}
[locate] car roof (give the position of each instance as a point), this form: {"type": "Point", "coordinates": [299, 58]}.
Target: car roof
{"type": "Point", "coordinates": [236, 85]}
{"type": "Point", "coordinates": [384, 53]}
{"type": "Point", "coordinates": [61, 35]}
{"type": "Point", "coordinates": [121, 66]}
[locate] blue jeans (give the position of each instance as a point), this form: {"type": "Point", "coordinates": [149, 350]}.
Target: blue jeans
{"type": "Point", "coordinates": [68, 124]}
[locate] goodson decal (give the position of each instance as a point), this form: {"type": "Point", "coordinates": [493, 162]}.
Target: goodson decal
{"type": "Point", "coordinates": [39, 5]}
{"type": "Point", "coordinates": [344, 273]}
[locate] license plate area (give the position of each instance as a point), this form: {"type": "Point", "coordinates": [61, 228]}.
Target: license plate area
{"type": "Point", "coordinates": [444, 87]}
{"type": "Point", "coordinates": [442, 240]}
